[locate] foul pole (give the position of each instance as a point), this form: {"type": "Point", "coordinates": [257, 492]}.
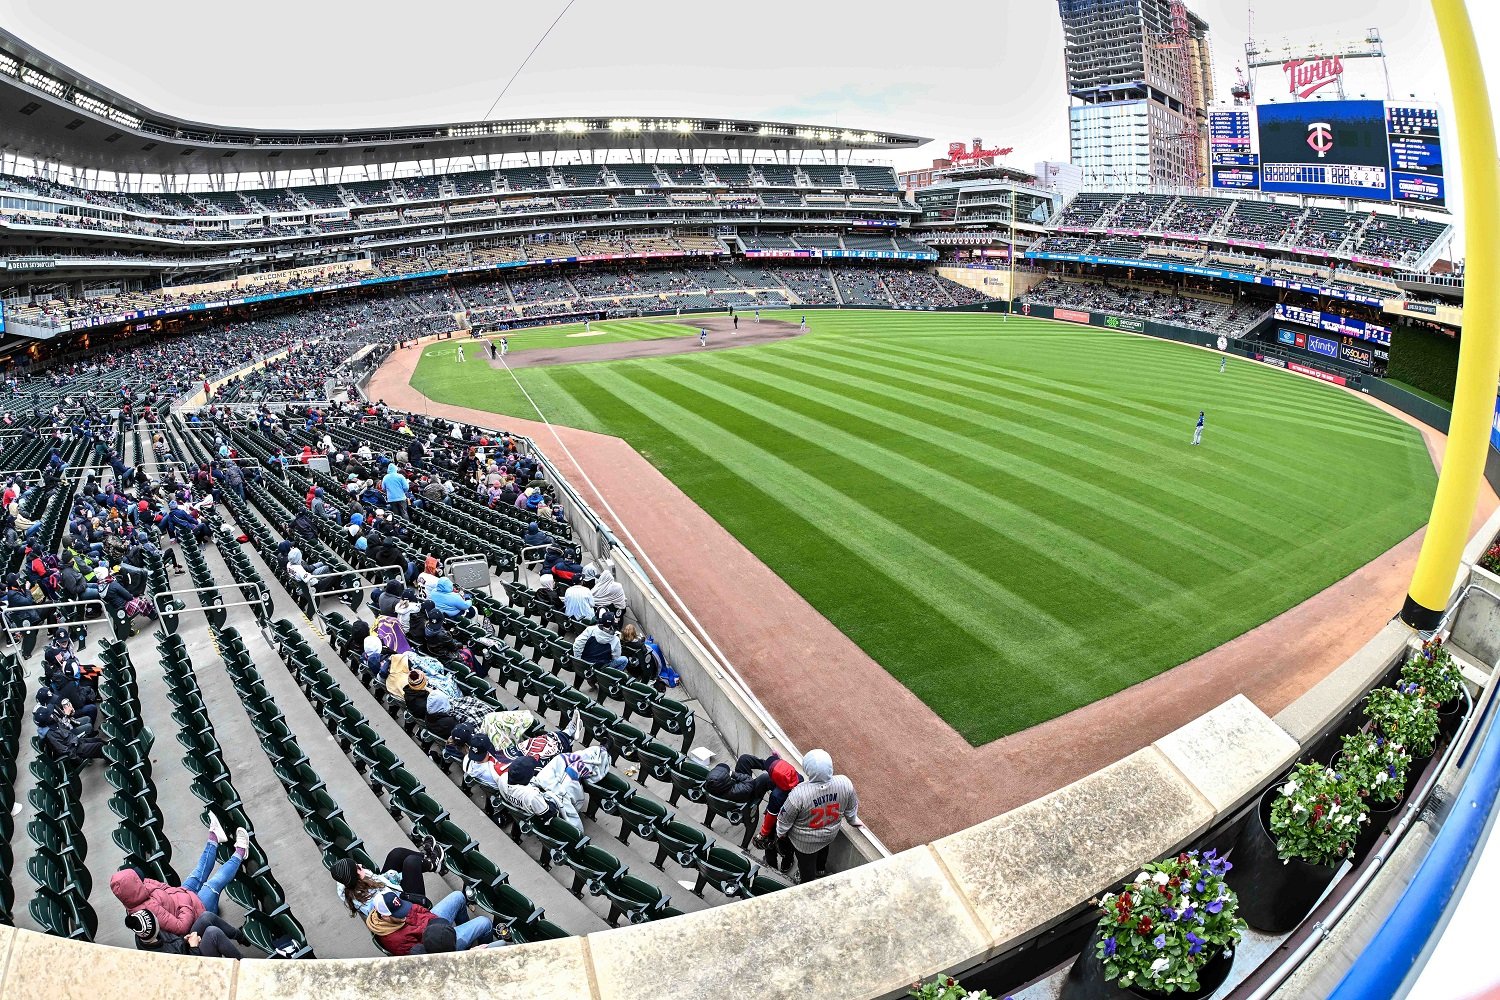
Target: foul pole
{"type": "Point", "coordinates": [1479, 350]}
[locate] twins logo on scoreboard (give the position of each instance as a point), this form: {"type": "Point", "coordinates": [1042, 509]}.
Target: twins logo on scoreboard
{"type": "Point", "coordinates": [1320, 138]}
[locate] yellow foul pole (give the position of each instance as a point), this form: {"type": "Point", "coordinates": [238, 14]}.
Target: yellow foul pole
{"type": "Point", "coordinates": [1479, 353]}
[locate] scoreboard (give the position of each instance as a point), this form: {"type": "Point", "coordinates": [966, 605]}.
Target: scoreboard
{"type": "Point", "coordinates": [1233, 163]}
{"type": "Point", "coordinates": [1416, 154]}
{"type": "Point", "coordinates": [1367, 150]}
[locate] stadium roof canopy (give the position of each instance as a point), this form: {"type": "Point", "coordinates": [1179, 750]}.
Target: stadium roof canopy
{"type": "Point", "coordinates": [52, 113]}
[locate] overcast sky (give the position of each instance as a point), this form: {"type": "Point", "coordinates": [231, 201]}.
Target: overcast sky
{"type": "Point", "coordinates": [950, 71]}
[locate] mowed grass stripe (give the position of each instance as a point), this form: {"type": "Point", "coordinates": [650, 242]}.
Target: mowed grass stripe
{"type": "Point", "coordinates": [988, 524]}
{"type": "Point", "coordinates": [1008, 488]}
{"type": "Point", "coordinates": [801, 467]}
{"type": "Point", "coordinates": [1163, 363]}
{"type": "Point", "coordinates": [1088, 426]}
{"type": "Point", "coordinates": [1092, 458]}
{"type": "Point", "coordinates": [1003, 689]}
{"type": "Point", "coordinates": [1161, 422]}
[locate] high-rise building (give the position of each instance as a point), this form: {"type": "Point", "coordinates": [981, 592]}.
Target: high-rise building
{"type": "Point", "coordinates": [1140, 76]}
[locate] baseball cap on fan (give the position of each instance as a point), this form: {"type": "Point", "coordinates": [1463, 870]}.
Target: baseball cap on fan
{"type": "Point", "coordinates": [390, 904]}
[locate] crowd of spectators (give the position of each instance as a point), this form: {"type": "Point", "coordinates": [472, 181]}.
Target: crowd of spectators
{"type": "Point", "coordinates": [1171, 307]}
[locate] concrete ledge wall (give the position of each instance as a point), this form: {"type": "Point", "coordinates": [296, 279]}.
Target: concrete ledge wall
{"type": "Point", "coordinates": [867, 932]}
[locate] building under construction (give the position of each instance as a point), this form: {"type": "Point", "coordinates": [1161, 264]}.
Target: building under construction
{"type": "Point", "coordinates": [1140, 77]}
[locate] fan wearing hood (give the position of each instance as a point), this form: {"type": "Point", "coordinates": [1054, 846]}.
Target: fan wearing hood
{"type": "Point", "coordinates": [813, 811]}
{"type": "Point", "coordinates": [608, 593]}
{"type": "Point", "coordinates": [448, 600]}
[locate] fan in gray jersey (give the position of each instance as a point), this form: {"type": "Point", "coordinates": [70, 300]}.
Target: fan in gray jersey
{"type": "Point", "coordinates": [812, 813]}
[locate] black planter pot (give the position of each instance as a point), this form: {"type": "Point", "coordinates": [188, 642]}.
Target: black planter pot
{"type": "Point", "coordinates": [1274, 894]}
{"type": "Point", "coordinates": [1382, 814]}
{"type": "Point", "coordinates": [1085, 980]}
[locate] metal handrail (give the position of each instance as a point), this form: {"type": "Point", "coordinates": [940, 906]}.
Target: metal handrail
{"type": "Point", "coordinates": [156, 599]}
{"type": "Point", "coordinates": [312, 585]}
{"type": "Point", "coordinates": [11, 632]}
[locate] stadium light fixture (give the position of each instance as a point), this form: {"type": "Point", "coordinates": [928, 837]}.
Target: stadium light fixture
{"type": "Point", "coordinates": [625, 125]}
{"type": "Point", "coordinates": [684, 126]}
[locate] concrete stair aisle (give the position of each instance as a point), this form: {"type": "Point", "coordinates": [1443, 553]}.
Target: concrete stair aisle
{"type": "Point", "coordinates": [562, 908]}
{"type": "Point", "coordinates": [293, 855]}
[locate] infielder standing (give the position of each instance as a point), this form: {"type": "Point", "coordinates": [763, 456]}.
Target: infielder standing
{"type": "Point", "coordinates": [702, 337]}
{"type": "Point", "coordinates": [460, 352]}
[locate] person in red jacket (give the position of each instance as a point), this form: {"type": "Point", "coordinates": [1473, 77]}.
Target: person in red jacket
{"type": "Point", "coordinates": [742, 785]}
{"type": "Point", "coordinates": [177, 907]}
{"type": "Point", "coordinates": [398, 923]}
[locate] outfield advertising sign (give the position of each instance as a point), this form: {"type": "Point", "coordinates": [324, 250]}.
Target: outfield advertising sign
{"type": "Point", "coordinates": [1356, 355]}
{"type": "Point", "coordinates": [1291, 338]}
{"type": "Point", "coordinates": [1324, 346]}
{"type": "Point", "coordinates": [1071, 315]}
{"type": "Point", "coordinates": [1495, 426]}
{"type": "Point", "coordinates": [1293, 366]}
{"type": "Point", "coordinates": [1125, 323]}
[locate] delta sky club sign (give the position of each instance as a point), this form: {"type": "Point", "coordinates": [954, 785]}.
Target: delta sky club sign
{"type": "Point", "coordinates": [1305, 77]}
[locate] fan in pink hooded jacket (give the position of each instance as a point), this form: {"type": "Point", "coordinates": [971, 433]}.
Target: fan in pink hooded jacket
{"type": "Point", "coordinates": [175, 908]}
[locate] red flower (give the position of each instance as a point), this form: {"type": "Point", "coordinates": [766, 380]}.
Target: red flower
{"type": "Point", "coordinates": [1145, 927]}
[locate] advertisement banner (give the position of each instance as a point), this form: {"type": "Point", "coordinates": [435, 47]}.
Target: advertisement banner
{"type": "Point", "coordinates": [1324, 346]}
{"type": "Point", "coordinates": [1356, 355]}
{"type": "Point", "coordinates": [1071, 315]}
{"type": "Point", "coordinates": [1495, 427]}
{"type": "Point", "coordinates": [1426, 308]}
{"type": "Point", "coordinates": [1287, 337]}
{"type": "Point", "coordinates": [1126, 323]}
{"type": "Point", "coordinates": [1315, 373]}
{"type": "Point", "coordinates": [1266, 359]}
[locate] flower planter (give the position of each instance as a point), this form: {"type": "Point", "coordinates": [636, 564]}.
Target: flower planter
{"type": "Point", "coordinates": [1381, 816]}
{"type": "Point", "coordinates": [1274, 894]}
{"type": "Point", "coordinates": [1085, 980]}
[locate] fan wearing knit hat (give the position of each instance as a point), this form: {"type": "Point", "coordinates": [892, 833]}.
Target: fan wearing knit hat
{"type": "Point", "coordinates": [211, 936]}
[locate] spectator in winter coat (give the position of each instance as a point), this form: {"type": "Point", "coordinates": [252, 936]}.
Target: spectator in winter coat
{"type": "Point", "coordinates": [449, 601]}
{"type": "Point", "coordinates": [70, 736]}
{"type": "Point", "coordinates": [598, 644]}
{"type": "Point", "coordinates": [211, 936]}
{"type": "Point", "coordinates": [402, 873]}
{"type": "Point", "coordinates": [399, 924]}
{"type": "Point", "coordinates": [175, 908]}
{"type": "Point", "coordinates": [535, 536]}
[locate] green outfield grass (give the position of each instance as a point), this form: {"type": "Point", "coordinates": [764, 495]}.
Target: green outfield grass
{"type": "Point", "coordinates": [1008, 518]}
{"type": "Point", "coordinates": [566, 335]}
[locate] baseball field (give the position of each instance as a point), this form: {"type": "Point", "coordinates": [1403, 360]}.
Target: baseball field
{"type": "Point", "coordinates": [1009, 518]}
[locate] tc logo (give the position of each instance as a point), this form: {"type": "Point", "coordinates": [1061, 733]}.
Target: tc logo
{"type": "Point", "coordinates": [1320, 138]}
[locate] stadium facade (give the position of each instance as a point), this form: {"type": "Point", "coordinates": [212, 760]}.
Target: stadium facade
{"type": "Point", "coordinates": [1140, 75]}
